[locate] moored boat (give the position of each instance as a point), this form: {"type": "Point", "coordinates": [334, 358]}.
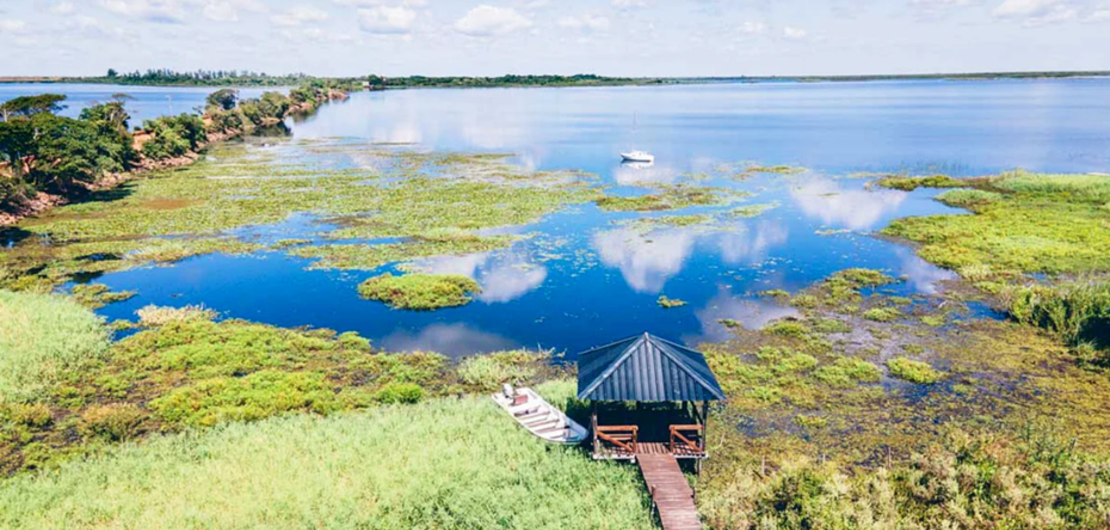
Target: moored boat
{"type": "Point", "coordinates": [541, 418]}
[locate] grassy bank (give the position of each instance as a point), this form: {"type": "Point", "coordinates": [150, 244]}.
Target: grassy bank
{"type": "Point", "coordinates": [442, 464]}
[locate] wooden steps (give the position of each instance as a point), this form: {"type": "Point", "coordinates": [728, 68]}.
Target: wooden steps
{"type": "Point", "coordinates": [670, 492]}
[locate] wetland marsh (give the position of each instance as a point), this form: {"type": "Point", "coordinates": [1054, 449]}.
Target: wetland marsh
{"type": "Point", "coordinates": [882, 297]}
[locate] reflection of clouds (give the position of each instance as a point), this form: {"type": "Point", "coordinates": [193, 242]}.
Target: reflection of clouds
{"type": "Point", "coordinates": [646, 264]}
{"type": "Point", "coordinates": [403, 131]}
{"type": "Point", "coordinates": [648, 261]}
{"type": "Point", "coordinates": [752, 314]}
{"type": "Point", "coordinates": [638, 173]}
{"type": "Point", "coordinates": [743, 244]}
{"type": "Point", "coordinates": [455, 340]}
{"type": "Point", "coordinates": [504, 277]}
{"type": "Point", "coordinates": [854, 209]}
{"type": "Point", "coordinates": [921, 275]}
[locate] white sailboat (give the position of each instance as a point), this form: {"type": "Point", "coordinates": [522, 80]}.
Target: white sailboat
{"type": "Point", "coordinates": [637, 155]}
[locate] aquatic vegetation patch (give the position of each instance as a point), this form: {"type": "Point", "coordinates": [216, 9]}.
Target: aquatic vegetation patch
{"type": "Point", "coordinates": [1078, 312]}
{"type": "Point", "coordinates": [369, 257]}
{"type": "Point", "coordinates": [97, 295]}
{"type": "Point", "coordinates": [754, 210]}
{"type": "Point", "coordinates": [669, 303]}
{"type": "Point", "coordinates": [1038, 223]}
{"type": "Point", "coordinates": [778, 170]}
{"type": "Point", "coordinates": [152, 315]}
{"type": "Point", "coordinates": [444, 463]}
{"type": "Point", "coordinates": [673, 197]}
{"type": "Point", "coordinates": [913, 183]}
{"type": "Point", "coordinates": [913, 371]}
{"type": "Point", "coordinates": [882, 314]}
{"type": "Point", "coordinates": [961, 198]}
{"type": "Point", "coordinates": [420, 292]}
{"type": "Point", "coordinates": [43, 336]}
{"type": "Point", "coordinates": [847, 372]}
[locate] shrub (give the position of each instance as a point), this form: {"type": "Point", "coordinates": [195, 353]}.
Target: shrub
{"type": "Point", "coordinates": [882, 314]}
{"type": "Point", "coordinates": [786, 328]}
{"type": "Point", "coordinates": [420, 292]}
{"type": "Point", "coordinates": [400, 393]}
{"type": "Point", "coordinates": [968, 198]}
{"type": "Point", "coordinates": [846, 372]}
{"type": "Point", "coordinates": [1078, 312]}
{"type": "Point", "coordinates": [256, 396]}
{"type": "Point", "coordinates": [29, 414]}
{"type": "Point", "coordinates": [913, 371]}
{"type": "Point", "coordinates": [830, 325]}
{"type": "Point", "coordinates": [42, 336]}
{"type": "Point", "coordinates": [116, 422]}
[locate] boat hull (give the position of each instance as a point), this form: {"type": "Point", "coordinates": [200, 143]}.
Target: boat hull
{"type": "Point", "coordinates": [542, 419]}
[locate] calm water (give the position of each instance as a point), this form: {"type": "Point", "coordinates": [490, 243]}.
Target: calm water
{"type": "Point", "coordinates": [602, 279]}
{"type": "Point", "coordinates": [148, 102]}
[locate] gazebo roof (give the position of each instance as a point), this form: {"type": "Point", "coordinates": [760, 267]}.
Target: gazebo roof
{"type": "Point", "coordinates": [646, 368]}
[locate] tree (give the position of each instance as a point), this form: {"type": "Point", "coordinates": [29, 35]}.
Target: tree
{"type": "Point", "coordinates": [112, 73]}
{"type": "Point", "coordinates": [28, 106]}
{"type": "Point", "coordinates": [17, 141]}
{"type": "Point", "coordinates": [224, 99]}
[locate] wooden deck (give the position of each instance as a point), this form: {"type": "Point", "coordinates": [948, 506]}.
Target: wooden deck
{"type": "Point", "coordinates": [670, 493]}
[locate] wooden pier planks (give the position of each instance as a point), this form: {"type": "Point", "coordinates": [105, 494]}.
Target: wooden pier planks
{"type": "Point", "coordinates": [670, 492]}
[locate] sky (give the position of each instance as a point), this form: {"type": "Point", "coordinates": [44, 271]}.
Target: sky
{"type": "Point", "coordinates": [608, 37]}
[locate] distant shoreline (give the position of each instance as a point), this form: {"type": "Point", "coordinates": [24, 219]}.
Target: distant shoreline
{"type": "Point", "coordinates": [592, 81]}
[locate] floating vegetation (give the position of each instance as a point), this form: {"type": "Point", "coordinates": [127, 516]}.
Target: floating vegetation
{"type": "Point", "coordinates": [847, 372]}
{"type": "Point", "coordinates": [648, 224]}
{"type": "Point", "coordinates": [673, 197]}
{"type": "Point", "coordinates": [420, 292]}
{"type": "Point", "coordinates": [913, 371]}
{"type": "Point", "coordinates": [154, 316]}
{"type": "Point", "coordinates": [913, 183]}
{"type": "Point", "coordinates": [754, 210]}
{"type": "Point", "coordinates": [97, 295]}
{"type": "Point", "coordinates": [968, 198]}
{"type": "Point", "coordinates": [669, 303]}
{"type": "Point", "coordinates": [779, 170]}
{"type": "Point", "coordinates": [882, 314]}
{"type": "Point", "coordinates": [369, 257]}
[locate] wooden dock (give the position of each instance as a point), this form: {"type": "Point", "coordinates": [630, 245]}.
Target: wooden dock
{"type": "Point", "coordinates": [670, 492]}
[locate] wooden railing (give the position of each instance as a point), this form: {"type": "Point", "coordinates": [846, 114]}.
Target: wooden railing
{"type": "Point", "coordinates": [687, 439]}
{"type": "Point", "coordinates": [621, 438]}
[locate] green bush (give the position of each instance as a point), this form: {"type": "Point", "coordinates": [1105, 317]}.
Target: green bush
{"type": "Point", "coordinates": [400, 393]}
{"type": "Point", "coordinates": [913, 371]}
{"type": "Point", "coordinates": [256, 396]}
{"type": "Point", "coordinates": [42, 336]}
{"type": "Point", "coordinates": [1078, 312]}
{"type": "Point", "coordinates": [882, 314]}
{"type": "Point", "coordinates": [174, 136]}
{"type": "Point", "coordinates": [847, 372]}
{"type": "Point", "coordinates": [116, 422]}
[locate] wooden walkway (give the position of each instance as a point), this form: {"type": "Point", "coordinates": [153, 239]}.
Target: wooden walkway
{"type": "Point", "coordinates": [669, 491]}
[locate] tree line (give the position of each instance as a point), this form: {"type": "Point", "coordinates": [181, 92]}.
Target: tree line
{"type": "Point", "coordinates": [45, 152]}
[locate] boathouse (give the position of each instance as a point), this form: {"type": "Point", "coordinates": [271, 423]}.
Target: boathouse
{"type": "Point", "coordinates": [649, 401]}
{"type": "Point", "coordinates": [648, 396]}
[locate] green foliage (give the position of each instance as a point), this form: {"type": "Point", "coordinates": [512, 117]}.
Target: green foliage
{"type": "Point", "coordinates": [787, 328]}
{"type": "Point", "coordinates": [400, 393]}
{"type": "Point", "coordinates": [882, 314]}
{"type": "Point", "coordinates": [913, 371]}
{"type": "Point", "coordinates": [27, 106]}
{"type": "Point", "coordinates": [1078, 312]}
{"type": "Point", "coordinates": [223, 99]}
{"type": "Point", "coordinates": [445, 464]}
{"type": "Point", "coordinates": [669, 198]}
{"type": "Point", "coordinates": [42, 336]}
{"type": "Point", "coordinates": [113, 423]}
{"type": "Point", "coordinates": [750, 211]}
{"type": "Point", "coordinates": [174, 136]}
{"type": "Point", "coordinates": [847, 372]}
{"type": "Point", "coordinates": [420, 292]}
{"type": "Point", "coordinates": [912, 183]}
{"type": "Point", "coordinates": [253, 397]}
{"type": "Point", "coordinates": [830, 325]}
{"type": "Point", "coordinates": [669, 303]}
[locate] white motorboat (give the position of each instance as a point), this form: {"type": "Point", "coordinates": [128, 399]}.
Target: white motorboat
{"type": "Point", "coordinates": [540, 417]}
{"type": "Point", "coordinates": [638, 156]}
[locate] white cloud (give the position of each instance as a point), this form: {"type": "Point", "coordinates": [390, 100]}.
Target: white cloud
{"type": "Point", "coordinates": [487, 21]}
{"type": "Point", "coordinates": [1101, 13]}
{"type": "Point", "coordinates": [628, 4]}
{"type": "Point", "coordinates": [63, 8]}
{"type": "Point", "coordinates": [794, 33]}
{"type": "Point", "coordinates": [387, 20]}
{"type": "Point", "coordinates": [753, 28]}
{"type": "Point", "coordinates": [1036, 12]}
{"type": "Point", "coordinates": [161, 11]}
{"type": "Point", "coordinates": [298, 15]}
{"type": "Point", "coordinates": [11, 25]}
{"type": "Point", "coordinates": [585, 22]}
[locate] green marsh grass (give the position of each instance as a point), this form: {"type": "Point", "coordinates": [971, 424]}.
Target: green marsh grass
{"type": "Point", "coordinates": [420, 292]}
{"type": "Point", "coordinates": [41, 337]}
{"type": "Point", "coordinates": [914, 371]}
{"type": "Point", "coordinates": [444, 464]}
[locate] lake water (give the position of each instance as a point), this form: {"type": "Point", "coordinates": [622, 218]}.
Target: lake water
{"type": "Point", "coordinates": [603, 280]}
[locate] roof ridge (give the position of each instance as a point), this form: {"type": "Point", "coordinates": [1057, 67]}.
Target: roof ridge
{"type": "Point", "coordinates": [603, 346]}
{"type": "Point", "coordinates": [682, 365]}
{"type": "Point", "coordinates": [614, 365]}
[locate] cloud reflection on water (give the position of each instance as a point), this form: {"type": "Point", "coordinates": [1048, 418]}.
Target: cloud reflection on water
{"type": "Point", "coordinates": [751, 313]}
{"type": "Point", "coordinates": [853, 209]}
{"type": "Point", "coordinates": [456, 339]}
{"type": "Point", "coordinates": [504, 276]}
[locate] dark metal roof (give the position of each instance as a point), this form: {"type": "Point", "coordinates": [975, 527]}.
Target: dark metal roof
{"type": "Point", "coordinates": [646, 368]}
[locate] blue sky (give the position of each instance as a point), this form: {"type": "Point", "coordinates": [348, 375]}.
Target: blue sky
{"type": "Point", "coordinates": [611, 37]}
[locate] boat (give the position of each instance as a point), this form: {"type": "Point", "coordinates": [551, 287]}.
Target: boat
{"type": "Point", "coordinates": [638, 156]}
{"type": "Point", "coordinates": [541, 418]}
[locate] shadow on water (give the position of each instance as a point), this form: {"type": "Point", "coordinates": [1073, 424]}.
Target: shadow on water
{"type": "Point", "coordinates": [12, 235]}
